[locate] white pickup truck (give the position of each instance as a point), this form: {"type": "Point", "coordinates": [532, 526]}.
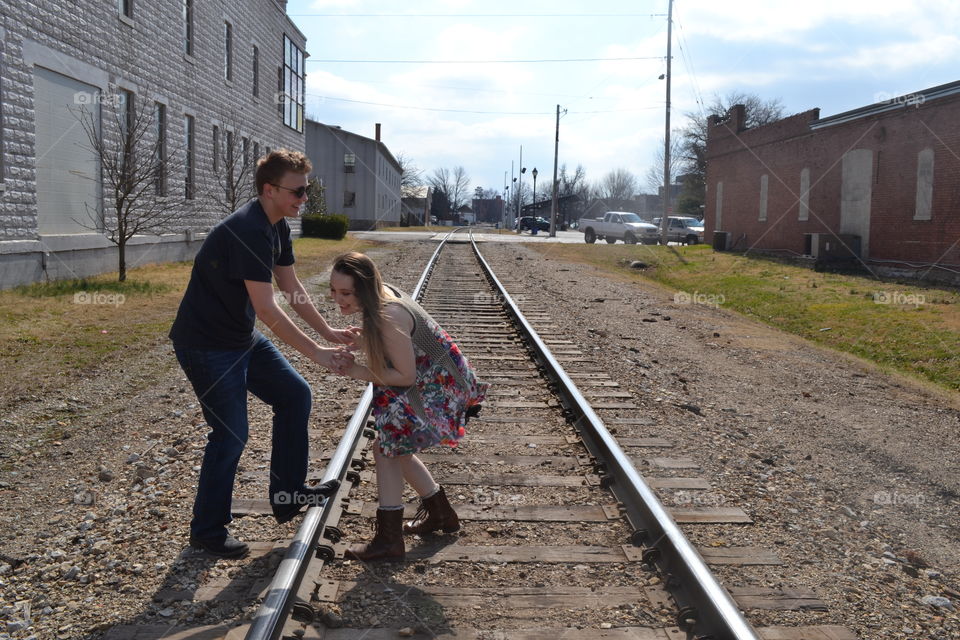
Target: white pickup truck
{"type": "Point", "coordinates": [618, 225]}
{"type": "Point", "coordinates": [683, 229]}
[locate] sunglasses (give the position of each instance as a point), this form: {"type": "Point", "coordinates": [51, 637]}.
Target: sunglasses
{"type": "Point", "coordinates": [299, 191]}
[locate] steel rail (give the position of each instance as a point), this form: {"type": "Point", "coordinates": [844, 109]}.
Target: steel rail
{"type": "Point", "coordinates": [272, 614]}
{"type": "Point", "coordinates": [706, 610]}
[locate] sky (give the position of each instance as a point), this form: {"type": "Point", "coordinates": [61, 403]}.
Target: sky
{"type": "Point", "coordinates": [466, 82]}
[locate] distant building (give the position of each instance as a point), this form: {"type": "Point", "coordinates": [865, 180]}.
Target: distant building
{"type": "Point", "coordinates": [205, 73]}
{"type": "Point", "coordinates": [416, 207]}
{"type": "Point", "coordinates": [879, 185]}
{"type": "Point", "coordinates": [489, 209]}
{"type": "Point", "coordinates": [466, 214]}
{"type": "Point", "coordinates": [569, 209]}
{"type": "Point", "coordinates": [360, 175]}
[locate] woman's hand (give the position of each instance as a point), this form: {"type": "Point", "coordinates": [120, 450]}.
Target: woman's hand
{"type": "Point", "coordinates": [344, 336]}
{"type": "Point", "coordinates": [341, 361]}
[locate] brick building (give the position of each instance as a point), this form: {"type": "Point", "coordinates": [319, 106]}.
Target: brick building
{"type": "Point", "coordinates": [225, 75]}
{"type": "Point", "coordinates": [881, 182]}
{"type": "Point", "coordinates": [360, 175]}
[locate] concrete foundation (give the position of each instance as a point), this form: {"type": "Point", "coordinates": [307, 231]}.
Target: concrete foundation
{"type": "Point", "coordinates": [65, 257]}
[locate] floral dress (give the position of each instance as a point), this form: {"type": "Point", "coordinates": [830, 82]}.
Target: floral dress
{"type": "Point", "coordinates": [434, 409]}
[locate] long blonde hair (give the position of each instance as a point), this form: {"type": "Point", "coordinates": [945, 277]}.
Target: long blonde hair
{"type": "Point", "coordinates": [368, 287]}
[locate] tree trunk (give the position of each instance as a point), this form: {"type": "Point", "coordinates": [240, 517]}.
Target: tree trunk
{"type": "Point", "coordinates": [122, 260]}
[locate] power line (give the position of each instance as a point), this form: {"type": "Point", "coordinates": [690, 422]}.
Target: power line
{"type": "Point", "coordinates": [477, 15]}
{"type": "Point", "coordinates": [328, 61]}
{"type": "Point", "coordinates": [502, 113]}
{"type": "Point", "coordinates": [479, 90]}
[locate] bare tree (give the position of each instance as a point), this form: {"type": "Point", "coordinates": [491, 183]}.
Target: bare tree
{"type": "Point", "coordinates": [234, 168]}
{"type": "Point", "coordinates": [411, 177]}
{"type": "Point", "coordinates": [617, 185]}
{"type": "Point", "coordinates": [694, 148]}
{"type": "Point", "coordinates": [454, 185]}
{"type": "Point", "coordinates": [136, 159]}
{"type": "Point", "coordinates": [678, 163]}
{"type": "Point", "coordinates": [442, 187]}
{"type": "Point", "coordinates": [460, 183]}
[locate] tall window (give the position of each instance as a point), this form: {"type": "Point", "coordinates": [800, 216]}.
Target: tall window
{"type": "Point", "coordinates": [125, 7]}
{"type": "Point", "coordinates": [246, 151]}
{"type": "Point", "coordinates": [160, 122]}
{"type": "Point", "coordinates": [229, 162]}
{"type": "Point", "coordinates": [127, 121]}
{"type": "Point", "coordinates": [216, 148]}
{"type": "Point", "coordinates": [256, 72]}
{"type": "Point", "coordinates": [188, 144]}
{"type": "Point", "coordinates": [188, 27]}
{"type": "Point", "coordinates": [228, 51]}
{"type": "Point", "coordinates": [293, 82]}
{"type": "Point", "coordinates": [256, 152]}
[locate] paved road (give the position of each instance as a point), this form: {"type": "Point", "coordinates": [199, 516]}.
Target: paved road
{"type": "Point", "coordinates": [482, 234]}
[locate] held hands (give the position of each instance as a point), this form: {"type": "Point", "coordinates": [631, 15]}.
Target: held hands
{"type": "Point", "coordinates": [341, 361]}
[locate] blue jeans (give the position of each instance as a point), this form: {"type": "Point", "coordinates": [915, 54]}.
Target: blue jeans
{"type": "Point", "coordinates": [221, 380]}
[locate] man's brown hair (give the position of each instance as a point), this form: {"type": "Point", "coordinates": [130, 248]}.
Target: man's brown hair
{"type": "Point", "coordinates": [272, 167]}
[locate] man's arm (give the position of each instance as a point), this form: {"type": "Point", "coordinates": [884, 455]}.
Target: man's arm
{"type": "Point", "coordinates": [261, 296]}
{"type": "Point", "coordinates": [300, 301]}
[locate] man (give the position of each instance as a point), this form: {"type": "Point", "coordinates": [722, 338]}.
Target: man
{"type": "Point", "coordinates": [224, 356]}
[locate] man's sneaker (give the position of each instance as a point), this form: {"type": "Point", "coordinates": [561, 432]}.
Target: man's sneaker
{"type": "Point", "coordinates": [324, 489]}
{"type": "Point", "coordinates": [287, 507]}
{"type": "Point", "coordinates": [228, 547]}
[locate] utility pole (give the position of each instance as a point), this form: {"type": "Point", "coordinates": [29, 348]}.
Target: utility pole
{"type": "Point", "coordinates": [664, 220]}
{"type": "Point", "coordinates": [553, 203]}
{"type": "Point", "coordinates": [520, 188]}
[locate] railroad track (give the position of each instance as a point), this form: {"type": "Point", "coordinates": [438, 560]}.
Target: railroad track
{"type": "Point", "coordinates": [561, 538]}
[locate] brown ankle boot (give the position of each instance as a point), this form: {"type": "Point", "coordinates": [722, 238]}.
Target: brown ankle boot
{"type": "Point", "coordinates": [387, 543]}
{"type": "Point", "coordinates": [435, 514]}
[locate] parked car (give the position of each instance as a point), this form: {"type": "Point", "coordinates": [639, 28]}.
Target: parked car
{"type": "Point", "coordinates": [527, 222]}
{"type": "Point", "coordinates": [618, 225]}
{"type": "Point", "coordinates": [683, 229]}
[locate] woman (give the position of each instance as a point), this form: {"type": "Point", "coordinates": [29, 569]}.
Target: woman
{"type": "Point", "coordinates": [423, 392]}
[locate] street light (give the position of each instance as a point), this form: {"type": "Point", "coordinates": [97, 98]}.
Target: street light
{"type": "Point", "coordinates": [533, 226]}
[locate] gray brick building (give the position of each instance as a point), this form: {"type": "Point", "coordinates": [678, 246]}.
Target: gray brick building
{"type": "Point", "coordinates": [360, 175]}
{"type": "Point", "coordinates": [206, 74]}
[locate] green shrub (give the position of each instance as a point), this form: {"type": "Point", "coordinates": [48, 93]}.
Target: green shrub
{"type": "Point", "coordinates": [325, 226]}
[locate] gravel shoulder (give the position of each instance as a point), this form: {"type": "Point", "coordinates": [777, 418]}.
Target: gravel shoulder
{"type": "Point", "coordinates": [849, 473]}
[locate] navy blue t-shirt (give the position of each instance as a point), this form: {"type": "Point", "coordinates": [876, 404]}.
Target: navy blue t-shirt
{"type": "Point", "coordinates": [216, 312]}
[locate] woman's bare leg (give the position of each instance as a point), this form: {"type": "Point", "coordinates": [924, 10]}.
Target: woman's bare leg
{"type": "Point", "coordinates": [389, 478]}
{"type": "Point", "coordinates": [417, 474]}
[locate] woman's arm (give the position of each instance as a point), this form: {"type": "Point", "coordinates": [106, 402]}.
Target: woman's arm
{"type": "Point", "coordinates": [398, 347]}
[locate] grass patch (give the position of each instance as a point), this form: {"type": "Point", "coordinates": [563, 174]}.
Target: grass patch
{"type": "Point", "coordinates": [909, 328]}
{"type": "Point", "coordinates": [52, 333]}
{"type": "Point", "coordinates": [86, 285]}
